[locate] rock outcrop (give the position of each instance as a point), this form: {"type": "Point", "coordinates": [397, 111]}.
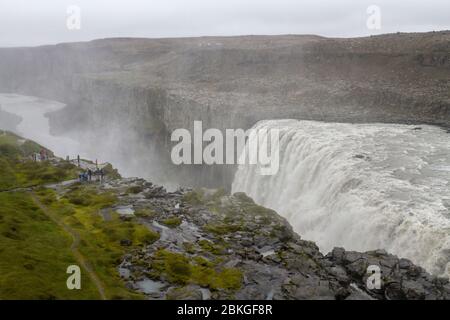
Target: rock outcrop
{"type": "Point", "coordinates": [8, 121]}
{"type": "Point", "coordinates": [213, 245]}
{"type": "Point", "coordinates": [149, 87]}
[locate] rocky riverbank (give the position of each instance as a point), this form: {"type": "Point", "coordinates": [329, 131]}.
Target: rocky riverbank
{"type": "Point", "coordinates": [217, 246]}
{"type": "Point", "coordinates": [143, 241]}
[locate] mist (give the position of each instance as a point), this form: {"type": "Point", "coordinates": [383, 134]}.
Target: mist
{"type": "Point", "coordinates": [26, 23]}
{"type": "Point", "coordinates": [115, 145]}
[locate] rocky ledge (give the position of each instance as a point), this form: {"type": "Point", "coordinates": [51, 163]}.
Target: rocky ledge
{"type": "Point", "coordinates": [217, 246]}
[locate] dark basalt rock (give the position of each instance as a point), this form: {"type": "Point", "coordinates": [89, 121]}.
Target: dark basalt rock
{"type": "Point", "coordinates": [253, 253]}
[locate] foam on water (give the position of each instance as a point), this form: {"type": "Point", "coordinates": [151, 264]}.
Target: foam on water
{"type": "Point", "coordinates": [362, 187]}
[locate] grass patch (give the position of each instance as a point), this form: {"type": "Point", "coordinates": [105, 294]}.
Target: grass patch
{"type": "Point", "coordinates": [87, 196]}
{"type": "Point", "coordinates": [194, 198]}
{"type": "Point", "coordinates": [135, 189]}
{"type": "Point", "coordinates": [35, 254]}
{"type": "Point", "coordinates": [101, 239]}
{"type": "Point", "coordinates": [18, 170]}
{"type": "Point", "coordinates": [145, 213]}
{"type": "Point", "coordinates": [222, 228]}
{"type": "Point", "coordinates": [211, 247]}
{"type": "Point", "coordinates": [172, 222]}
{"type": "Point", "coordinates": [181, 270]}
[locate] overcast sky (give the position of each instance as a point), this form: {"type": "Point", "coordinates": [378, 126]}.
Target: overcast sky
{"type": "Point", "coordinates": [36, 22]}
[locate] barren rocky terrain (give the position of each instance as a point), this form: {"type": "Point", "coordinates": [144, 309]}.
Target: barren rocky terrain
{"type": "Point", "coordinates": [213, 245]}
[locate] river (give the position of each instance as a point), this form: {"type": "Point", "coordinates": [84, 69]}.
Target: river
{"type": "Point", "coordinates": [35, 125]}
{"type": "Point", "coordinates": [361, 187]}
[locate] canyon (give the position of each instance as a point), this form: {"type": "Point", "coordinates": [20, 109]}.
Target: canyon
{"type": "Point", "coordinates": [130, 94]}
{"type": "Point", "coordinates": [364, 155]}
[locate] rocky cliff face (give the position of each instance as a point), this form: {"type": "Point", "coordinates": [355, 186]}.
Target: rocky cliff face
{"type": "Point", "coordinates": [8, 121]}
{"type": "Point", "coordinates": [187, 244]}
{"type": "Point", "coordinates": [147, 87]}
{"type": "Point", "coordinates": [213, 245]}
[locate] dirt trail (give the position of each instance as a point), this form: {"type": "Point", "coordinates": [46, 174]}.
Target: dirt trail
{"type": "Point", "coordinates": [82, 261]}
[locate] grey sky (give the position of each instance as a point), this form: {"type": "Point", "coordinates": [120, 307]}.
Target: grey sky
{"type": "Point", "coordinates": [36, 22]}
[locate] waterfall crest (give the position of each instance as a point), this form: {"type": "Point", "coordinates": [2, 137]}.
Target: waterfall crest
{"type": "Point", "coordinates": [362, 187]}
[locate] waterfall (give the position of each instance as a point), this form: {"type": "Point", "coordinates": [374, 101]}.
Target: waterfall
{"type": "Point", "coordinates": [361, 187]}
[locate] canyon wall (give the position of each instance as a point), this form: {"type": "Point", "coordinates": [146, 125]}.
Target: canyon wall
{"type": "Point", "coordinates": [130, 94]}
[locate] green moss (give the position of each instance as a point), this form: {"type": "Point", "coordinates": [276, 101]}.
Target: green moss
{"type": "Point", "coordinates": [145, 213]}
{"type": "Point", "coordinates": [135, 189]}
{"type": "Point", "coordinates": [174, 266]}
{"type": "Point", "coordinates": [229, 278]}
{"type": "Point", "coordinates": [100, 239]}
{"type": "Point", "coordinates": [17, 170]}
{"type": "Point", "coordinates": [194, 198]}
{"type": "Point", "coordinates": [217, 195]}
{"type": "Point", "coordinates": [257, 210]}
{"type": "Point", "coordinates": [13, 146]}
{"type": "Point", "coordinates": [222, 228]}
{"type": "Point", "coordinates": [172, 222]}
{"type": "Point", "coordinates": [266, 216]}
{"type": "Point", "coordinates": [117, 230]}
{"type": "Point", "coordinates": [189, 247]}
{"type": "Point", "coordinates": [21, 174]}
{"type": "Point", "coordinates": [201, 261]}
{"type": "Point", "coordinates": [183, 293]}
{"type": "Point", "coordinates": [111, 172]}
{"type": "Point", "coordinates": [242, 197]}
{"type": "Point", "coordinates": [35, 254]}
{"type": "Point", "coordinates": [85, 196]}
{"type": "Point", "coordinates": [212, 247]}
{"type": "Point", "coordinates": [9, 151]}
{"type": "Point", "coordinates": [35, 251]}
{"type": "Point", "coordinates": [8, 179]}
{"type": "Point", "coordinates": [46, 196]}
{"type": "Point", "coordinates": [181, 270]}
{"type": "Point", "coordinates": [29, 147]}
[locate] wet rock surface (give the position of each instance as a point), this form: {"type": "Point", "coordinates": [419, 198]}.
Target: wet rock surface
{"type": "Point", "coordinates": [217, 246]}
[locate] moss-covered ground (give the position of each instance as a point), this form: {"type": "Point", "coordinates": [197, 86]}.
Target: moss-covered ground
{"type": "Point", "coordinates": [183, 270]}
{"type": "Point", "coordinates": [35, 250]}
{"type": "Point", "coordinates": [17, 170]}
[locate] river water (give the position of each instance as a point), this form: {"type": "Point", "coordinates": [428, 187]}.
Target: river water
{"type": "Point", "coordinates": [362, 187]}
{"type": "Point", "coordinates": [35, 125]}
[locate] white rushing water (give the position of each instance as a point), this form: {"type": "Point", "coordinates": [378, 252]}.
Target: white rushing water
{"type": "Point", "coordinates": [362, 187]}
{"type": "Point", "coordinates": [34, 124]}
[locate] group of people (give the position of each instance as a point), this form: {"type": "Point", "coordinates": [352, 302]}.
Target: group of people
{"type": "Point", "coordinates": [90, 174]}
{"type": "Point", "coordinates": [98, 174]}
